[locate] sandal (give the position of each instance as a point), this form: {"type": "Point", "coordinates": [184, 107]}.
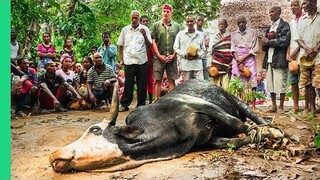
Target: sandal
{"type": "Point", "coordinates": [45, 111]}
{"type": "Point", "coordinates": [61, 109]}
{"type": "Point", "coordinates": [21, 114]}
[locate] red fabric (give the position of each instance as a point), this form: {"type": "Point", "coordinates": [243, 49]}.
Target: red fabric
{"type": "Point", "coordinates": [167, 6]}
{"type": "Point", "coordinates": [47, 100]}
{"type": "Point", "coordinates": [150, 80]}
{"type": "Point", "coordinates": [26, 87]}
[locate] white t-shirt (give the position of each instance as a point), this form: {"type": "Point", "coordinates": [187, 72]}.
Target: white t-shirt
{"type": "Point", "coordinates": [14, 50]}
{"type": "Point", "coordinates": [134, 45]}
{"type": "Point", "coordinates": [273, 28]}
{"type": "Point", "coordinates": [309, 32]}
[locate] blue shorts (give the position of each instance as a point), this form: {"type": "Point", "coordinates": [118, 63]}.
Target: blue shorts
{"type": "Point", "coordinates": [293, 78]}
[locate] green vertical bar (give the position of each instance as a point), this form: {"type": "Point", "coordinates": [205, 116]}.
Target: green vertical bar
{"type": "Point", "coordinates": [5, 89]}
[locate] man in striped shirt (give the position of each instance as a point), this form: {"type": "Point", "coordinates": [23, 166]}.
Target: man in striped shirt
{"type": "Point", "coordinates": [100, 82]}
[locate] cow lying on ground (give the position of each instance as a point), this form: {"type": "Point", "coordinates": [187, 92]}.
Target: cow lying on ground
{"type": "Point", "coordinates": [195, 114]}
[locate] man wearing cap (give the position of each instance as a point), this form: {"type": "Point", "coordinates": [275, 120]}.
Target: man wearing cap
{"type": "Point", "coordinates": [190, 64]}
{"type": "Point", "coordinates": [275, 45]}
{"type": "Point", "coordinates": [51, 93]}
{"type": "Point", "coordinates": [163, 37]}
{"type": "Point", "coordinates": [309, 41]}
{"type": "Point", "coordinates": [100, 81]}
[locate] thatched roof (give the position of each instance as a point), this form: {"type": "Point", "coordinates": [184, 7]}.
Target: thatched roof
{"type": "Point", "coordinates": [256, 11]}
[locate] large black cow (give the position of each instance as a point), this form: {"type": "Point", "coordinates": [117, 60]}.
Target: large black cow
{"type": "Point", "coordinates": [196, 113]}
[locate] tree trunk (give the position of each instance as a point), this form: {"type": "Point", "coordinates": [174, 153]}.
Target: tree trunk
{"type": "Point", "coordinates": [71, 8]}
{"type": "Point", "coordinates": [31, 34]}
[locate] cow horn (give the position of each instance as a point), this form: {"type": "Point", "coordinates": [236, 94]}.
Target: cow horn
{"type": "Point", "coordinates": [114, 108]}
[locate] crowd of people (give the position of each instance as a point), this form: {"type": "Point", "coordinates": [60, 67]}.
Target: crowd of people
{"type": "Point", "coordinates": [159, 58]}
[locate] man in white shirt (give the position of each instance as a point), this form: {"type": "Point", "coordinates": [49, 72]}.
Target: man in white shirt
{"type": "Point", "coordinates": [293, 51]}
{"type": "Point", "coordinates": [206, 35]}
{"type": "Point", "coordinates": [309, 41]}
{"type": "Point", "coordinates": [190, 65]}
{"type": "Point", "coordinates": [15, 48]}
{"type": "Point", "coordinates": [133, 43]}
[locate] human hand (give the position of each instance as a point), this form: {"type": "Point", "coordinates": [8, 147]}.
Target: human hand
{"type": "Point", "coordinates": [206, 42]}
{"type": "Point", "coordinates": [56, 103]}
{"type": "Point", "coordinates": [240, 59]}
{"type": "Point", "coordinates": [92, 98]}
{"type": "Point", "coordinates": [78, 97]}
{"type": "Point", "coordinates": [314, 53]}
{"type": "Point", "coordinates": [187, 56]}
{"type": "Point", "coordinates": [162, 58]}
{"type": "Point", "coordinates": [289, 58]}
{"type": "Point", "coordinates": [142, 31]}
{"type": "Point", "coordinates": [169, 58]}
{"type": "Point", "coordinates": [240, 67]}
{"type": "Point", "coordinates": [107, 83]}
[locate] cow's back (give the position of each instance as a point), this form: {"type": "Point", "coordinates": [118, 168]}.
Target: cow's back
{"type": "Point", "coordinates": [211, 93]}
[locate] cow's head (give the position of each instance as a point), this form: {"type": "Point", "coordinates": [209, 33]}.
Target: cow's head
{"type": "Point", "coordinates": [92, 150]}
{"type": "Point", "coordinates": [96, 148]}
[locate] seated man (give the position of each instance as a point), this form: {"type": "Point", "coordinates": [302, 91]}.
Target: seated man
{"type": "Point", "coordinates": [29, 87]}
{"type": "Point", "coordinates": [100, 81]}
{"type": "Point", "coordinates": [51, 93]}
{"type": "Point", "coordinates": [18, 85]}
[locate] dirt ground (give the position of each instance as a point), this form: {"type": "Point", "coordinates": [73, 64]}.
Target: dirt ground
{"type": "Point", "coordinates": [35, 137]}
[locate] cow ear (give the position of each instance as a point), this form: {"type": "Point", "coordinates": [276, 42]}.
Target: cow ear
{"type": "Point", "coordinates": [130, 131]}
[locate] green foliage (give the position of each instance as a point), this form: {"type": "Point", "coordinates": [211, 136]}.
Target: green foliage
{"type": "Point", "coordinates": [289, 93]}
{"type": "Point", "coordinates": [23, 12]}
{"type": "Point", "coordinates": [231, 148]}
{"type": "Point", "coordinates": [244, 92]}
{"type": "Point", "coordinates": [90, 19]}
{"type": "Point", "coordinates": [236, 87]}
{"type": "Point", "coordinates": [317, 140]}
{"type": "Point", "coordinates": [310, 116]}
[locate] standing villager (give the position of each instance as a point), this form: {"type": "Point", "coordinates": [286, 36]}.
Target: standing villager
{"type": "Point", "coordinates": [67, 49]}
{"type": "Point", "coordinates": [275, 45]}
{"type": "Point", "coordinates": [163, 35]}
{"type": "Point", "coordinates": [309, 41]}
{"type": "Point", "coordinates": [144, 20]}
{"type": "Point", "coordinates": [108, 51]}
{"type": "Point", "coordinates": [244, 46]}
{"type": "Point", "coordinates": [220, 56]}
{"type": "Point", "coordinates": [15, 47]}
{"type": "Point", "coordinates": [191, 62]}
{"type": "Point", "coordinates": [206, 35]}
{"type": "Point", "coordinates": [293, 52]}
{"type": "Point", "coordinates": [46, 51]}
{"type": "Point", "coordinates": [133, 42]}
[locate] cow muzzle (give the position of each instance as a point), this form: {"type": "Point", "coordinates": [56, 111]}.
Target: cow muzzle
{"type": "Point", "coordinates": [61, 164]}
